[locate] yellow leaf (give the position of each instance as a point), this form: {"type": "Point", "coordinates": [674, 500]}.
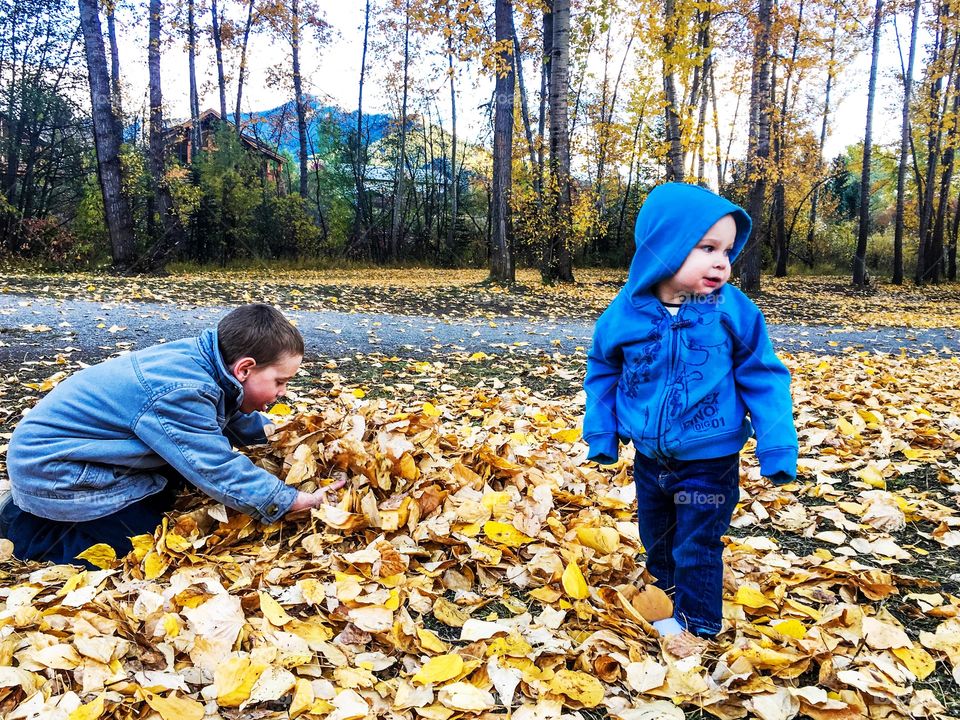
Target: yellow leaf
{"type": "Point", "coordinates": [545, 594]}
{"type": "Point", "coordinates": [604, 540]}
{"type": "Point", "coordinates": [430, 410]}
{"type": "Point", "coordinates": [153, 566]}
{"type": "Point", "coordinates": [359, 394]}
{"type": "Point", "coordinates": [477, 356]}
{"type": "Point", "coordinates": [303, 698]}
{"type": "Point", "coordinates": [846, 428]}
{"type": "Point", "coordinates": [142, 544]}
{"type": "Point", "coordinates": [273, 611]}
{"type": "Point", "coordinates": [171, 625]}
{"type": "Point", "coordinates": [430, 641]}
{"type": "Point", "coordinates": [751, 597]}
{"type": "Point", "coordinates": [439, 669]}
{"type": "Point", "coordinates": [505, 534]}
{"type": "Point", "coordinates": [281, 409]}
{"type": "Point", "coordinates": [173, 707]}
{"type": "Point", "coordinates": [101, 555]}
{"type": "Point", "coordinates": [567, 436]}
{"type": "Point", "coordinates": [574, 583]}
{"type": "Point", "coordinates": [872, 477]}
{"type": "Point", "coordinates": [791, 628]}
{"type": "Point", "coordinates": [177, 543]}
{"type": "Point", "coordinates": [492, 499]}
{"type": "Point", "coordinates": [513, 645]}
{"type": "Point", "coordinates": [448, 613]}
{"type": "Point", "coordinates": [234, 679]}
{"type": "Point", "coordinates": [91, 711]}
{"type": "Point", "coordinates": [578, 686]}
{"type": "Point", "coordinates": [917, 660]}
{"type": "Point", "coordinates": [408, 467]}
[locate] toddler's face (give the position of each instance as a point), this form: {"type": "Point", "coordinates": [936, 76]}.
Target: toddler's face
{"type": "Point", "coordinates": [707, 267]}
{"type": "Point", "coordinates": [265, 384]}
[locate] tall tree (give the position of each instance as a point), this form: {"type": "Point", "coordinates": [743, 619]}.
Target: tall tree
{"type": "Point", "coordinates": [938, 69]}
{"type": "Point", "coordinates": [674, 166]}
{"type": "Point", "coordinates": [160, 220]}
{"type": "Point", "coordinates": [454, 172]}
{"type": "Point", "coordinates": [557, 263]}
{"type": "Point", "coordinates": [781, 243]}
{"type": "Point", "coordinates": [360, 239]}
{"type": "Point", "coordinates": [218, 53]}
{"type": "Point", "coordinates": [295, 37]}
{"type": "Point", "coordinates": [192, 71]}
{"type": "Point", "coordinates": [501, 256]}
{"type": "Point", "coordinates": [110, 9]}
{"type": "Point", "coordinates": [106, 134]}
{"type": "Point", "coordinates": [863, 227]}
{"type": "Point", "coordinates": [758, 148]}
{"type": "Point", "coordinates": [904, 147]}
{"type": "Point", "coordinates": [831, 73]}
{"type": "Point", "coordinates": [402, 155]}
{"type": "Point", "coordinates": [242, 71]}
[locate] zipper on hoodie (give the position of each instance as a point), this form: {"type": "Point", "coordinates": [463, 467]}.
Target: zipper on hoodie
{"type": "Point", "coordinates": [676, 324]}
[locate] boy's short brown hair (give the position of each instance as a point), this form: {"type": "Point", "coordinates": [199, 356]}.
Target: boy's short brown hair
{"type": "Point", "coordinates": [258, 331]}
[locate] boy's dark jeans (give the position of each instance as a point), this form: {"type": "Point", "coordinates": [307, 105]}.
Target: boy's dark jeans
{"type": "Point", "coordinates": [59, 541]}
{"type": "Point", "coordinates": [684, 508]}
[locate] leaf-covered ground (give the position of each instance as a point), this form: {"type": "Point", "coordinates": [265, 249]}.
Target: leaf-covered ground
{"type": "Point", "coordinates": [475, 562]}
{"type": "Point", "coordinates": [464, 293]}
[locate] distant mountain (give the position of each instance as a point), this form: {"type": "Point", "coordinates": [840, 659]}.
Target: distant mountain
{"type": "Point", "coordinates": [278, 127]}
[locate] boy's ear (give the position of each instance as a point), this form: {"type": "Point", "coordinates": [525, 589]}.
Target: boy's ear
{"type": "Point", "coordinates": [242, 367]}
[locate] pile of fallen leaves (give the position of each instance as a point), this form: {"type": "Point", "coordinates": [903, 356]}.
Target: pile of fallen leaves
{"type": "Point", "coordinates": [476, 563]}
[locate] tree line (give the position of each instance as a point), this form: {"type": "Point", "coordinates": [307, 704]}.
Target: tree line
{"type": "Point", "coordinates": [591, 103]}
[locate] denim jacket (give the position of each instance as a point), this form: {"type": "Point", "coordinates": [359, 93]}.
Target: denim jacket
{"type": "Point", "coordinates": [99, 440]}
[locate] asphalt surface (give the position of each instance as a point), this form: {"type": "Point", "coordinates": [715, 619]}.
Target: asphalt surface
{"type": "Point", "coordinates": [33, 328]}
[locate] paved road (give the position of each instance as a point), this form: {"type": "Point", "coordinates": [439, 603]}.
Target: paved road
{"type": "Point", "coordinates": [32, 327]}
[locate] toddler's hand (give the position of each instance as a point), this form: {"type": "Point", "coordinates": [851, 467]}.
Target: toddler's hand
{"type": "Point", "coordinates": [269, 429]}
{"type": "Point", "coordinates": [781, 478]}
{"type": "Point", "coordinates": [306, 501]}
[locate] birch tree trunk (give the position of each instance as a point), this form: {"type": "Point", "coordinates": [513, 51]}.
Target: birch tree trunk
{"type": "Point", "coordinates": [402, 160]}
{"type": "Point", "coordinates": [194, 98]}
{"type": "Point", "coordinates": [298, 97]}
{"type": "Point", "coordinates": [241, 74]}
{"type": "Point", "coordinates": [557, 259]}
{"type": "Point", "coordinates": [904, 146]}
{"type": "Point", "coordinates": [501, 256]}
{"type": "Point", "coordinates": [758, 149]}
{"type": "Point", "coordinates": [359, 159]}
{"type": "Point", "coordinates": [815, 196]}
{"type": "Point", "coordinates": [106, 135]}
{"type": "Point", "coordinates": [218, 49]}
{"type": "Point", "coordinates": [863, 230]}
{"type": "Point", "coordinates": [111, 8]}
{"type": "Point", "coordinates": [672, 117]}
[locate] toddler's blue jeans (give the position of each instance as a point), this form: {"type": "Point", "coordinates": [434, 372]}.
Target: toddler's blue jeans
{"type": "Point", "coordinates": [684, 508]}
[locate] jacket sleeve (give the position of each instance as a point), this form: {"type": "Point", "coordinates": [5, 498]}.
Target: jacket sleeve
{"type": "Point", "coordinates": [181, 427]}
{"type": "Point", "coordinates": [600, 419]}
{"type": "Point", "coordinates": [246, 429]}
{"type": "Point", "coordinates": [764, 384]}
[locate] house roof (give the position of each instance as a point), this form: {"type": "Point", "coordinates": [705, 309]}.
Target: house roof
{"type": "Point", "coordinates": [211, 114]}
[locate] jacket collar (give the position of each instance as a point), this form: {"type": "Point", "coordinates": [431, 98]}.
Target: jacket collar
{"type": "Point", "coordinates": [209, 347]}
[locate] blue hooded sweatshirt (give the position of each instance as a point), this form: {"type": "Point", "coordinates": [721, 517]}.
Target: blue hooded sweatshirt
{"type": "Point", "coordinates": [681, 386]}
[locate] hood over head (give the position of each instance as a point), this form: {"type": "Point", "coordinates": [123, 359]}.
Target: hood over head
{"type": "Point", "coordinates": [671, 221]}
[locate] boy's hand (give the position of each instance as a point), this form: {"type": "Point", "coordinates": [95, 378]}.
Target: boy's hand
{"type": "Point", "coordinates": [269, 429]}
{"type": "Point", "coordinates": [306, 501]}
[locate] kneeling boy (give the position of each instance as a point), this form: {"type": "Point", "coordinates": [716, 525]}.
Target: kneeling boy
{"type": "Point", "coordinates": [100, 458]}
